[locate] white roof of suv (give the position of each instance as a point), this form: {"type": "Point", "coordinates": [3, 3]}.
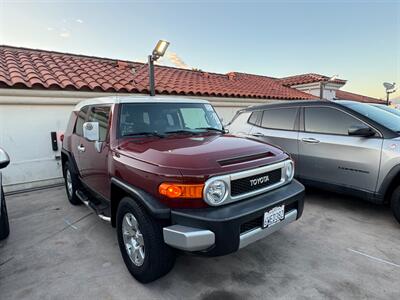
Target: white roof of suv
{"type": "Point", "coordinates": [137, 99]}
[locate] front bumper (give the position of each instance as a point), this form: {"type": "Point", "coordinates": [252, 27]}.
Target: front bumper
{"type": "Point", "coordinates": [222, 230]}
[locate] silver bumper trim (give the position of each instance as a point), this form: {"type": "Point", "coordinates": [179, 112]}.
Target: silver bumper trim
{"type": "Point", "coordinates": [188, 238]}
{"type": "Point", "coordinates": [259, 233]}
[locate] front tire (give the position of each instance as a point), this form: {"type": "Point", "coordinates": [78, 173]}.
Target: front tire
{"type": "Point", "coordinates": [395, 203]}
{"type": "Point", "coordinates": [4, 225]}
{"type": "Point", "coordinates": [71, 184]}
{"type": "Point", "coordinates": [141, 242]}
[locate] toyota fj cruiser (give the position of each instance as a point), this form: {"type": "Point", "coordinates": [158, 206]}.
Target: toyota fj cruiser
{"type": "Point", "coordinates": [168, 176]}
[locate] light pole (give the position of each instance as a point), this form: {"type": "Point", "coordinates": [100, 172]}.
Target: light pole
{"type": "Point", "coordinates": [390, 88]}
{"type": "Point", "coordinates": [322, 86]}
{"type": "Point", "coordinates": [158, 52]}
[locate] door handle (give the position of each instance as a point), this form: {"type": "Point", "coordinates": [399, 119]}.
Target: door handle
{"type": "Point", "coordinates": [81, 148]}
{"type": "Point", "coordinates": [310, 140]}
{"type": "Point", "coordinates": [258, 134]}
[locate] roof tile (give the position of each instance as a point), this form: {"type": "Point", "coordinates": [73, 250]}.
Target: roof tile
{"type": "Point", "coordinates": [46, 69]}
{"type": "Point", "coordinates": [307, 78]}
{"type": "Point", "coordinates": [343, 95]}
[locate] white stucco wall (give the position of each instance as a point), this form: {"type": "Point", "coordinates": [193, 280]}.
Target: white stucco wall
{"type": "Point", "coordinates": [28, 116]}
{"type": "Point", "coordinates": [329, 91]}
{"type": "Point", "coordinates": [25, 135]}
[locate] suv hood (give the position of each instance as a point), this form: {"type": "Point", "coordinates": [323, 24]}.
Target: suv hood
{"type": "Point", "coordinates": [211, 152]}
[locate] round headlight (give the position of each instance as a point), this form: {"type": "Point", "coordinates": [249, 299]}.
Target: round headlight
{"type": "Point", "coordinates": [215, 192]}
{"type": "Point", "coordinates": [289, 170]}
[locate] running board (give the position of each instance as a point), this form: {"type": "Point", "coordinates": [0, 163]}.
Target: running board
{"type": "Point", "coordinates": [90, 205]}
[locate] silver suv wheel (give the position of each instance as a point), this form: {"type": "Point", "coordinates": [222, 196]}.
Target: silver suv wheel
{"type": "Point", "coordinates": [133, 239]}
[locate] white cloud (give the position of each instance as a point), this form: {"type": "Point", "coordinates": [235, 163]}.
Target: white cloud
{"type": "Point", "coordinates": [50, 28]}
{"type": "Point", "coordinates": [65, 34]}
{"type": "Point", "coordinates": [176, 60]}
{"type": "Point", "coordinates": [79, 21]}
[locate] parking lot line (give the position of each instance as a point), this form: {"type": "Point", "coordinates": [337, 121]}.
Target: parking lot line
{"type": "Point", "coordinates": [70, 224]}
{"type": "Point", "coordinates": [375, 258]}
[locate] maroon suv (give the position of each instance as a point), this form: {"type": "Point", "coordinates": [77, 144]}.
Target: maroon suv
{"type": "Point", "coordinates": [165, 173]}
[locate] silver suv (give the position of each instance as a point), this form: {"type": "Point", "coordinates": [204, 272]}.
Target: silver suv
{"type": "Point", "coordinates": [344, 146]}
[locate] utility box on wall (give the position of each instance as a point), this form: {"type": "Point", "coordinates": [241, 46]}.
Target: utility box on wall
{"type": "Point", "coordinates": [54, 140]}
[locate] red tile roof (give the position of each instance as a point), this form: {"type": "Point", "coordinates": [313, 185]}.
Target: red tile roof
{"type": "Point", "coordinates": [343, 95]}
{"type": "Point", "coordinates": [307, 78]}
{"type": "Point", "coordinates": [39, 69]}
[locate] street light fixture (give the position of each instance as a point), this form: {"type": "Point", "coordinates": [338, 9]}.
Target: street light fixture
{"type": "Point", "coordinates": [390, 88]}
{"type": "Point", "coordinates": [322, 85]}
{"type": "Point", "coordinates": [160, 48]}
{"type": "Point", "coordinates": [158, 52]}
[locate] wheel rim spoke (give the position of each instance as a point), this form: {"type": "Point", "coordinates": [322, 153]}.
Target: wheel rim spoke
{"type": "Point", "coordinates": [133, 253]}
{"type": "Point", "coordinates": [139, 239]}
{"type": "Point", "coordinates": [127, 220]}
{"type": "Point", "coordinates": [128, 248]}
{"type": "Point", "coordinates": [141, 253]}
{"type": "Point", "coordinates": [134, 223]}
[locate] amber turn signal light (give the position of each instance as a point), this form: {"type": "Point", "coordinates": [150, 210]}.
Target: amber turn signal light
{"type": "Point", "coordinates": [176, 190]}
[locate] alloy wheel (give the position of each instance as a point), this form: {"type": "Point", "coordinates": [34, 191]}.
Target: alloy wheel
{"type": "Point", "coordinates": [133, 239]}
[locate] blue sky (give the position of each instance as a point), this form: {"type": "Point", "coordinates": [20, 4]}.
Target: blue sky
{"type": "Point", "coordinates": [358, 40]}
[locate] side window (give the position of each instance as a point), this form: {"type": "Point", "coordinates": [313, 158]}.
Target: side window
{"type": "Point", "coordinates": [255, 118]}
{"type": "Point", "coordinates": [328, 120]}
{"type": "Point", "coordinates": [100, 114]}
{"type": "Point", "coordinates": [80, 120]}
{"type": "Point", "coordinates": [280, 118]}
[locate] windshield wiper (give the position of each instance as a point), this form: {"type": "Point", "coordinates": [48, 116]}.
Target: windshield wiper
{"type": "Point", "coordinates": [212, 129]}
{"type": "Point", "coordinates": [145, 133]}
{"type": "Point", "coordinates": [180, 131]}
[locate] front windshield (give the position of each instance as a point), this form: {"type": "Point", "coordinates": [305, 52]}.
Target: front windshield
{"type": "Point", "coordinates": [380, 116]}
{"type": "Point", "coordinates": [163, 118]}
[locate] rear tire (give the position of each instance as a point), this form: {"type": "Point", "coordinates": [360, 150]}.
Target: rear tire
{"type": "Point", "coordinates": [395, 203]}
{"type": "Point", "coordinates": [4, 225]}
{"type": "Point", "coordinates": [71, 184]}
{"type": "Point", "coordinates": [141, 242]}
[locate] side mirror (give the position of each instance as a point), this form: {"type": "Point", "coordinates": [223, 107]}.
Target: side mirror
{"type": "Point", "coordinates": [361, 130]}
{"type": "Point", "coordinates": [91, 131]}
{"type": "Point", "coordinates": [4, 159]}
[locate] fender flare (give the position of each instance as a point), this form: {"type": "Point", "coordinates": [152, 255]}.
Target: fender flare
{"type": "Point", "coordinates": [154, 207]}
{"type": "Point", "coordinates": [393, 173]}
{"type": "Point", "coordinates": [71, 159]}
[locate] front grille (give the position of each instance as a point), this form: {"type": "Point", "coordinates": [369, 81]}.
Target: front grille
{"type": "Point", "coordinates": [255, 182]}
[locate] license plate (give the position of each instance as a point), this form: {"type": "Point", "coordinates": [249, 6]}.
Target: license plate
{"type": "Point", "coordinates": [274, 216]}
